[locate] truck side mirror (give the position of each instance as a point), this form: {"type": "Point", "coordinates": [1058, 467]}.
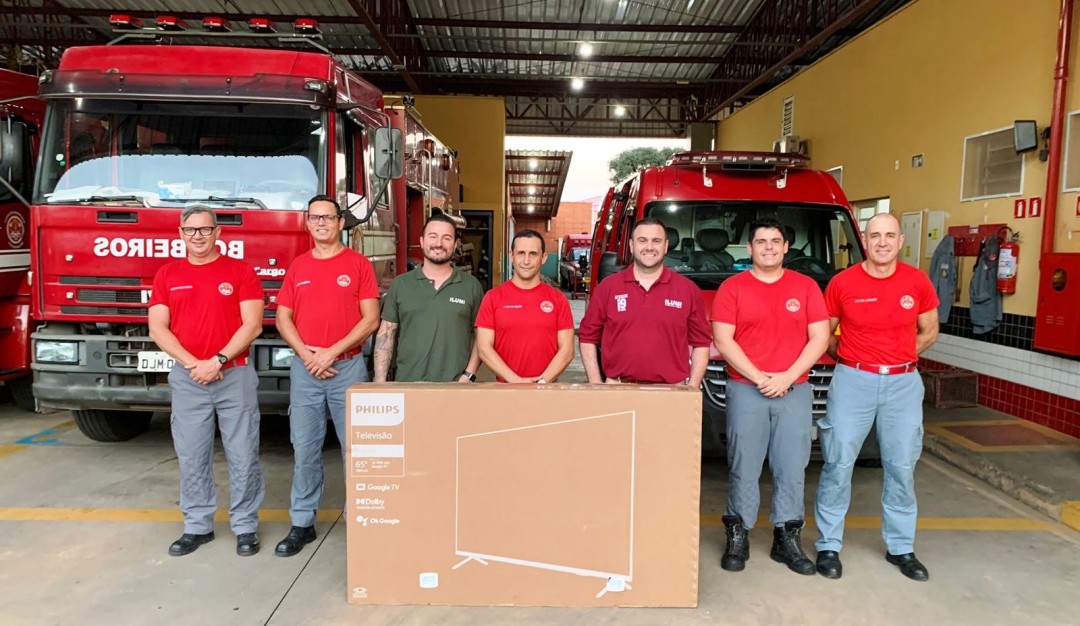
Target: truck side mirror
{"type": "Point", "coordinates": [12, 152]}
{"type": "Point", "coordinates": [609, 264]}
{"type": "Point", "coordinates": [389, 153]}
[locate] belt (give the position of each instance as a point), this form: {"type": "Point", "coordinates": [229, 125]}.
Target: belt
{"type": "Point", "coordinates": [883, 370]}
{"type": "Point", "coordinates": [234, 362]}
{"type": "Point", "coordinates": [348, 354]}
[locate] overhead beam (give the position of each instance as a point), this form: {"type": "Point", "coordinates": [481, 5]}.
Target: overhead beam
{"type": "Point", "coordinates": [387, 48]}
{"type": "Point", "coordinates": [715, 29]}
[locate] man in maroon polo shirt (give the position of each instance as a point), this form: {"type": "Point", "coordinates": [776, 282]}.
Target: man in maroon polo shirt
{"type": "Point", "coordinates": [524, 330]}
{"type": "Point", "coordinates": [648, 320]}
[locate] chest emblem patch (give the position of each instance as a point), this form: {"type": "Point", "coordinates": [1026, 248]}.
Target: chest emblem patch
{"type": "Point", "coordinates": [793, 305]}
{"type": "Point", "coordinates": [344, 280]}
{"type": "Point", "coordinates": [546, 306]}
{"type": "Point", "coordinates": [907, 302]}
{"type": "Point", "coordinates": [226, 289]}
{"type": "Point", "coordinates": [620, 302]}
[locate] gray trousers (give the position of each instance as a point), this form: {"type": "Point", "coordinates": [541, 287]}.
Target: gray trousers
{"type": "Point", "coordinates": [234, 400]}
{"type": "Point", "coordinates": [780, 428]}
{"type": "Point", "coordinates": [310, 399]}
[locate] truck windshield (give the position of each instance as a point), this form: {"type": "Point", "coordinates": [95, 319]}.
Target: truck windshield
{"type": "Point", "coordinates": [707, 240]}
{"type": "Point", "coordinates": [168, 154]}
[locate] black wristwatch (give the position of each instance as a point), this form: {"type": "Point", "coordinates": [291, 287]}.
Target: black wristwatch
{"type": "Point", "coordinates": [221, 358]}
{"type": "Point", "coordinates": [469, 375]}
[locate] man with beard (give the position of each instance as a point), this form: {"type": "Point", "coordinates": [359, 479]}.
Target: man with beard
{"type": "Point", "coordinates": [648, 320]}
{"type": "Point", "coordinates": [428, 315]}
{"type": "Point", "coordinates": [205, 311]}
{"type": "Point", "coordinates": [327, 308]}
{"type": "Point", "coordinates": [771, 327]}
{"type": "Point", "coordinates": [525, 331]}
{"type": "Point", "coordinates": [888, 313]}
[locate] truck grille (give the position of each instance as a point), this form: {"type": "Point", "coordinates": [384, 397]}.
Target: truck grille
{"type": "Point", "coordinates": [716, 385]}
{"type": "Point", "coordinates": [109, 296]}
{"type": "Point", "coordinates": [103, 310]}
{"type": "Point", "coordinates": [101, 280]}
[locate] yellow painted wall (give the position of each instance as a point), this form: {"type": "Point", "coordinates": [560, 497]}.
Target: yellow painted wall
{"type": "Point", "coordinates": [920, 82]}
{"type": "Point", "coordinates": [476, 128]}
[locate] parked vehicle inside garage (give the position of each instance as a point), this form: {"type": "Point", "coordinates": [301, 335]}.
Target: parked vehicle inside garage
{"type": "Point", "coordinates": [20, 126]}
{"type": "Point", "coordinates": [136, 133]}
{"type": "Point", "coordinates": [574, 261]}
{"type": "Point", "coordinates": [707, 200]}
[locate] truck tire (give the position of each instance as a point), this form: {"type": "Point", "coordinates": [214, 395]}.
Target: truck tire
{"type": "Point", "coordinates": [111, 426]}
{"type": "Point", "coordinates": [22, 392]}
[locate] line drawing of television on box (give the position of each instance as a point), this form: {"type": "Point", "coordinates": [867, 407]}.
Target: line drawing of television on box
{"type": "Point", "coordinates": [535, 496]}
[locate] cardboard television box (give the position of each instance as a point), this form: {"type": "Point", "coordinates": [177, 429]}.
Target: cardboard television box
{"type": "Point", "coordinates": [527, 495]}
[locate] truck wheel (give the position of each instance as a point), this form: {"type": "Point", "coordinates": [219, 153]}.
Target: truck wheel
{"type": "Point", "coordinates": [111, 426]}
{"type": "Point", "coordinates": [22, 392]}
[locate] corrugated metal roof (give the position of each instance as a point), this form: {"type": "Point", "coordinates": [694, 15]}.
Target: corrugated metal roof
{"type": "Point", "coordinates": [535, 180]}
{"type": "Point", "coordinates": [667, 62]}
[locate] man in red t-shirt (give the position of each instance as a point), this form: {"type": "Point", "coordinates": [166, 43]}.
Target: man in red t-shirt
{"type": "Point", "coordinates": [524, 329]}
{"type": "Point", "coordinates": [648, 321]}
{"type": "Point", "coordinates": [771, 326]}
{"type": "Point", "coordinates": [205, 311]}
{"type": "Point", "coordinates": [327, 308]}
{"type": "Point", "coordinates": [887, 313]}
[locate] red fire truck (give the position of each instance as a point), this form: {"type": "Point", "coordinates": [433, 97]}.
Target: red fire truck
{"type": "Point", "coordinates": [707, 200]}
{"type": "Point", "coordinates": [135, 133]}
{"type": "Point", "coordinates": [20, 124]}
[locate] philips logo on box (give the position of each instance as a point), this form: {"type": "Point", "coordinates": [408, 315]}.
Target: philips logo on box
{"type": "Point", "coordinates": [377, 409]}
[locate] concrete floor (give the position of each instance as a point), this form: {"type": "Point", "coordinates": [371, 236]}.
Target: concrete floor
{"type": "Point", "coordinates": [85, 529]}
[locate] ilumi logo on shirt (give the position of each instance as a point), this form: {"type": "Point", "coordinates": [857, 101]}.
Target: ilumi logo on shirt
{"type": "Point", "coordinates": [675, 304]}
{"type": "Point", "coordinates": [226, 289]}
{"type": "Point", "coordinates": [457, 301]}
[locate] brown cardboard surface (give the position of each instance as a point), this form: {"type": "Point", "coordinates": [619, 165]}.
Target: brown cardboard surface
{"type": "Point", "coordinates": [529, 495]}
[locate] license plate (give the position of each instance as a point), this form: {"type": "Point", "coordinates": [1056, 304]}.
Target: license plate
{"type": "Point", "coordinates": [813, 433]}
{"type": "Point", "coordinates": [155, 362]}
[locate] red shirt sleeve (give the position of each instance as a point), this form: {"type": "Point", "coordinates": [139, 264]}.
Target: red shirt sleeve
{"type": "Point", "coordinates": [159, 291]}
{"type": "Point", "coordinates": [816, 310]}
{"type": "Point", "coordinates": [698, 331]}
{"type": "Point", "coordinates": [723, 307]}
{"type": "Point", "coordinates": [369, 287]}
{"type": "Point", "coordinates": [288, 288]}
{"type": "Point", "coordinates": [485, 317]}
{"type": "Point", "coordinates": [566, 317]}
{"type": "Point", "coordinates": [832, 296]}
{"type": "Point", "coordinates": [590, 329]}
{"type": "Point", "coordinates": [927, 297]}
{"type": "Point", "coordinates": [250, 287]}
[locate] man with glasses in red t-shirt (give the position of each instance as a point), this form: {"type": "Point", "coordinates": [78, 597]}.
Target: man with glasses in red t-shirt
{"type": "Point", "coordinates": [887, 313]}
{"type": "Point", "coordinates": [524, 329]}
{"type": "Point", "coordinates": [205, 311]}
{"type": "Point", "coordinates": [327, 308]}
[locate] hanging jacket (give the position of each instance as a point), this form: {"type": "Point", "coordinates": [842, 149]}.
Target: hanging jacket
{"type": "Point", "coordinates": [985, 298]}
{"type": "Point", "coordinates": [943, 275]}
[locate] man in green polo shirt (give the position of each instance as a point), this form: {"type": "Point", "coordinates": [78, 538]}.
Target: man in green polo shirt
{"type": "Point", "coordinates": [429, 314]}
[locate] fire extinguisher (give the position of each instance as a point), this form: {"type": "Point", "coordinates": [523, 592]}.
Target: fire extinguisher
{"type": "Point", "coordinates": [1008, 258]}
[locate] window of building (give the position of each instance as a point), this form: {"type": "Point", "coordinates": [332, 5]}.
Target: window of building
{"type": "Point", "coordinates": [865, 209]}
{"type": "Point", "coordinates": [1072, 153]}
{"type": "Point", "coordinates": [787, 124]}
{"type": "Point", "coordinates": [992, 168]}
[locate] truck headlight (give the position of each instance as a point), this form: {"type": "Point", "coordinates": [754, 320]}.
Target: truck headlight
{"type": "Point", "coordinates": [56, 352]}
{"type": "Point", "coordinates": [281, 358]}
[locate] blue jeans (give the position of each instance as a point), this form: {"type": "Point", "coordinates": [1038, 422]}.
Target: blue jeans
{"type": "Point", "coordinates": [856, 399]}
{"type": "Point", "coordinates": [309, 401]}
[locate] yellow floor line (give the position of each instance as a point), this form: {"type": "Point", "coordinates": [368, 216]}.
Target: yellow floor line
{"type": "Point", "coordinates": [1000, 524]}
{"type": "Point", "coordinates": [47, 514]}
{"type": "Point", "coordinates": [12, 448]}
{"type": "Point", "coordinates": [1070, 514]}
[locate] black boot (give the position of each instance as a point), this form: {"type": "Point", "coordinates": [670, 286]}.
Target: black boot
{"type": "Point", "coordinates": [737, 551]}
{"type": "Point", "coordinates": [787, 548]}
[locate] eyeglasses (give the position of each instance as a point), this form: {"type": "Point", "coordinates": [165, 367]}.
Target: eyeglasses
{"type": "Point", "coordinates": [205, 231]}
{"type": "Point", "coordinates": [318, 219]}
